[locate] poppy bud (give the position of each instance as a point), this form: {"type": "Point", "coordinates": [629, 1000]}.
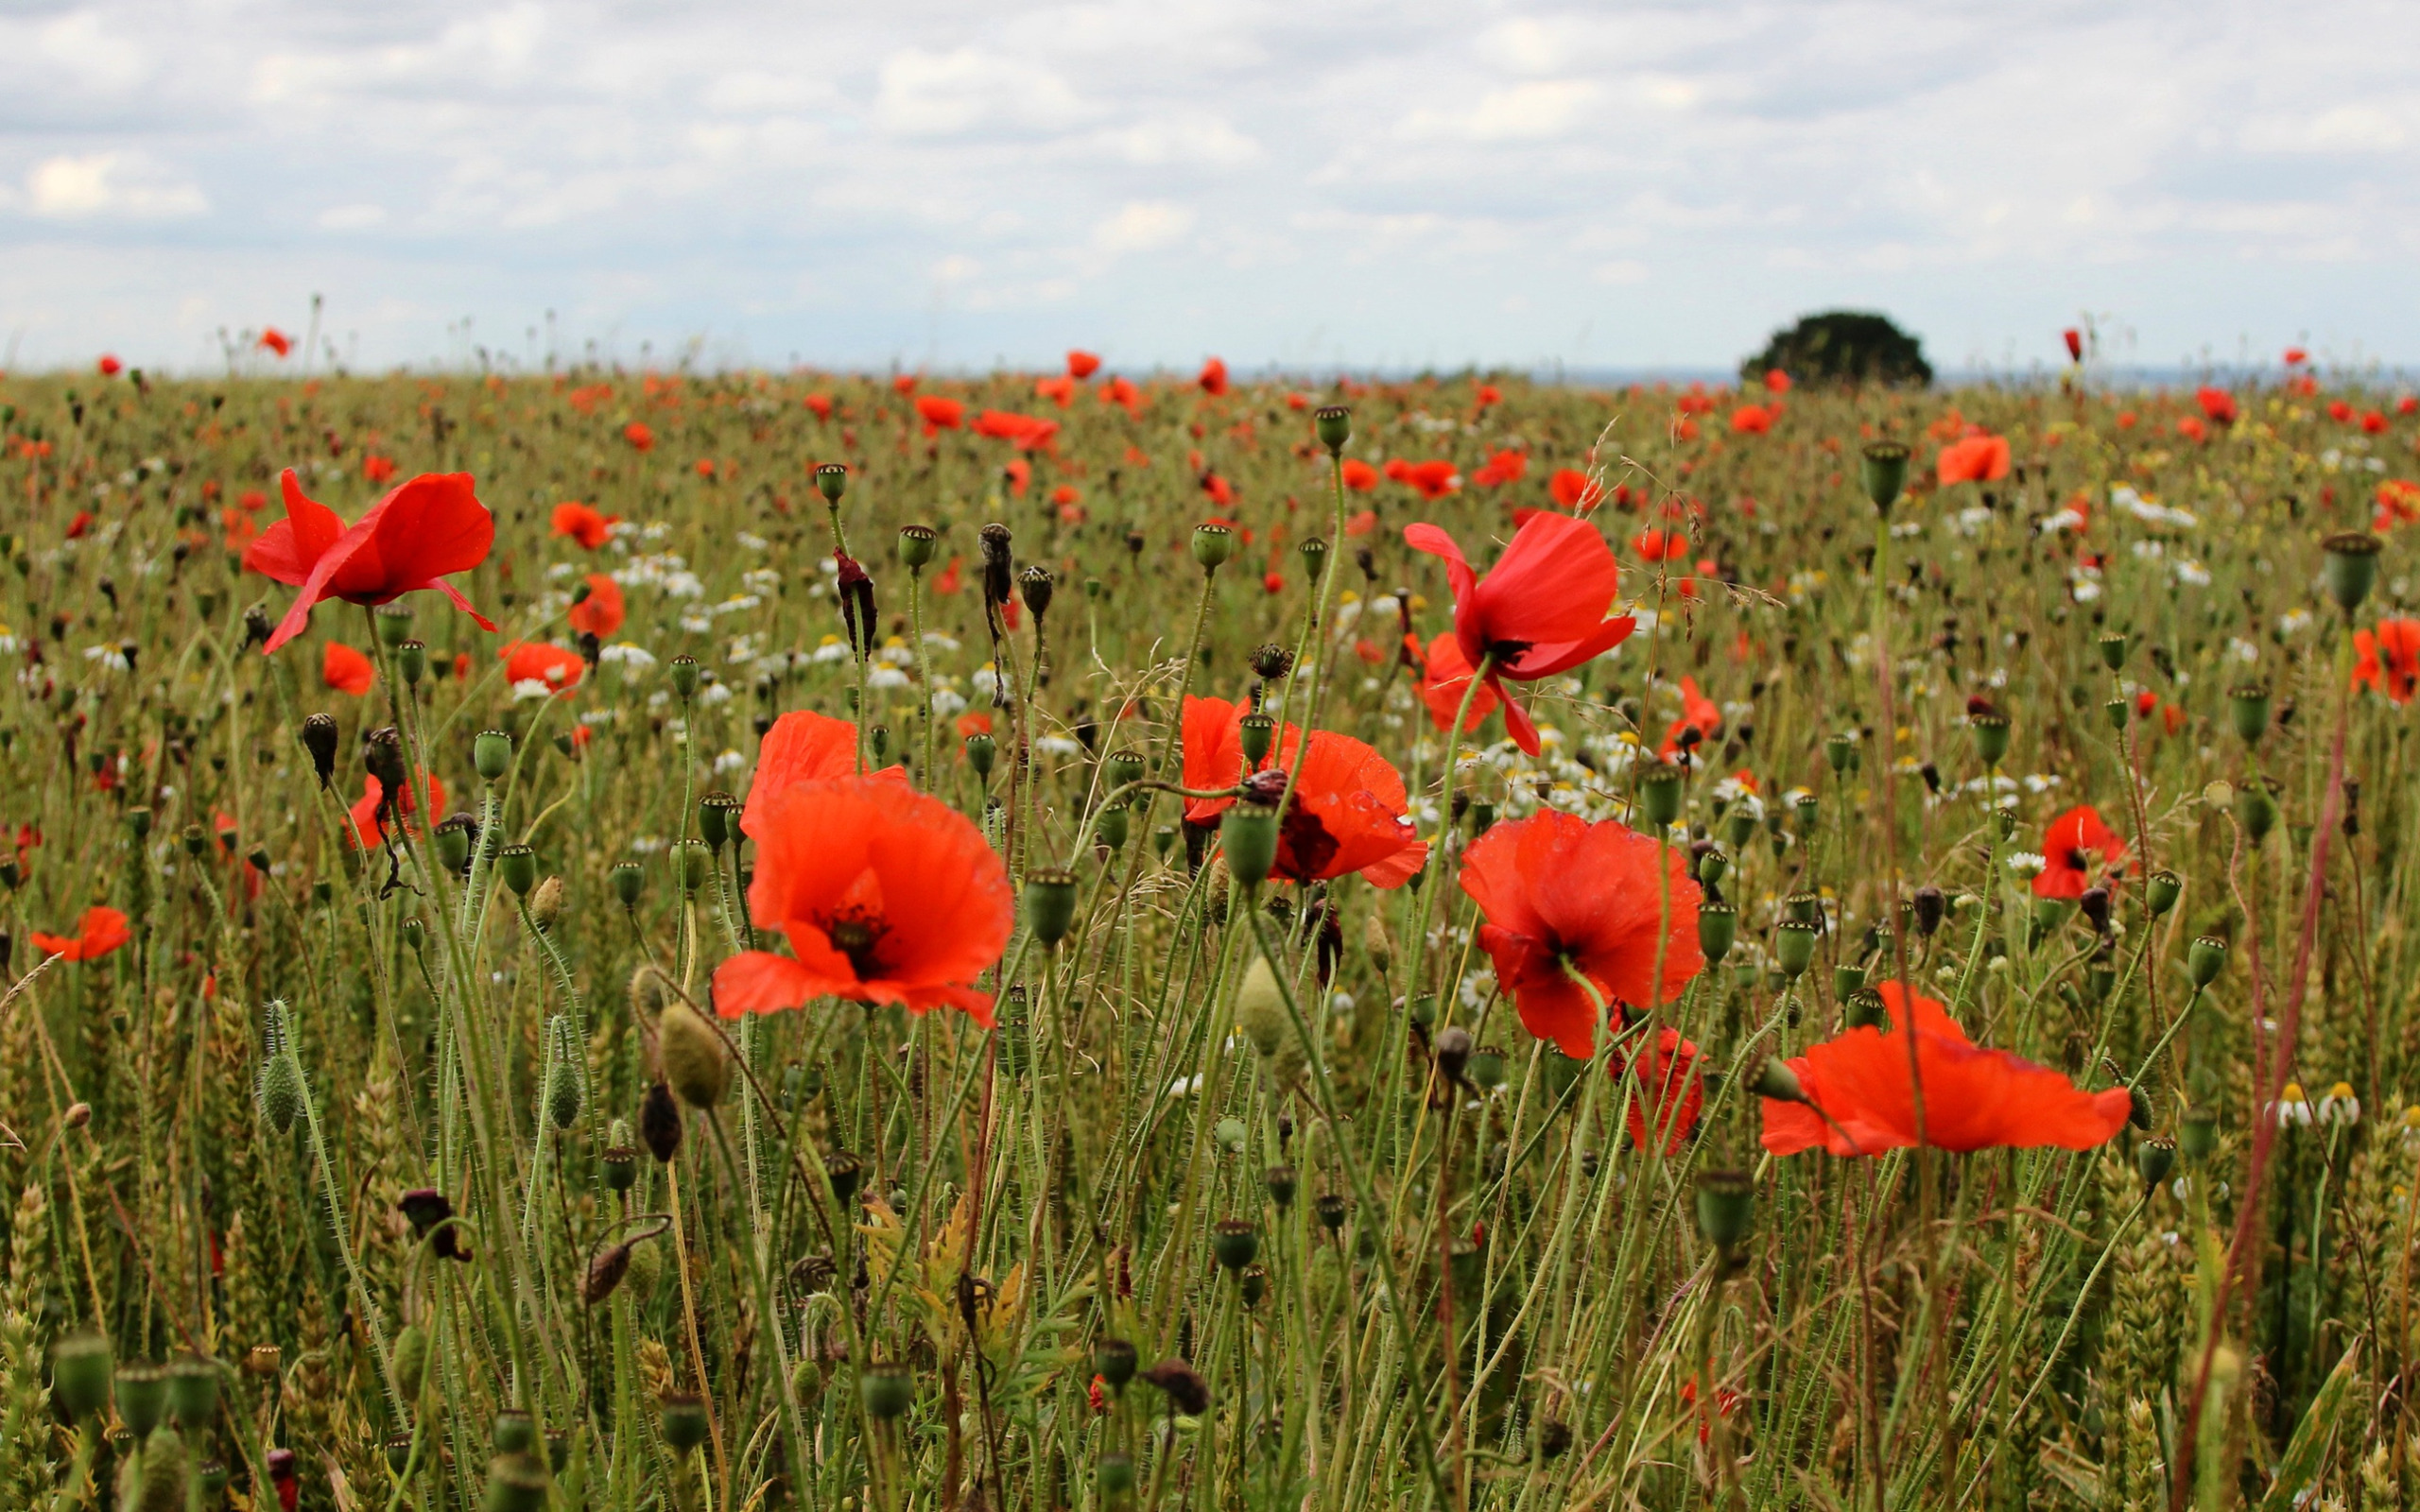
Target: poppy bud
{"type": "Point", "coordinates": [2161, 892]}
{"type": "Point", "coordinates": [1335, 426]}
{"type": "Point", "coordinates": [2113, 651]}
{"type": "Point", "coordinates": [2197, 1135]}
{"type": "Point", "coordinates": [1260, 1007]}
{"type": "Point", "coordinates": [1109, 827]}
{"type": "Point", "coordinates": [916, 544]}
{"type": "Point", "coordinates": [2350, 567]}
{"type": "Point", "coordinates": [1883, 470]}
{"type": "Point", "coordinates": [1794, 947]}
{"type": "Point", "coordinates": [1255, 731]}
{"type": "Point", "coordinates": [1376, 943]}
{"type": "Point", "coordinates": [1727, 1209]}
{"type": "Point", "coordinates": [695, 1062]}
{"type": "Point", "coordinates": [1777, 1081]}
{"type": "Point", "coordinates": [565, 1083]}
{"type": "Point", "coordinates": [141, 1398]}
{"type": "Point", "coordinates": [1331, 1208]}
{"type": "Point", "coordinates": [1035, 586]}
{"type": "Point", "coordinates": [319, 739]}
{"type": "Point", "coordinates": [1049, 904]}
{"type": "Point", "coordinates": [2205, 958]}
{"type": "Point", "coordinates": [278, 1088]}
{"type": "Point", "coordinates": [547, 904]}
{"type": "Point", "coordinates": [1271, 663]}
{"type": "Point", "coordinates": [1188, 1394]}
{"type": "Point", "coordinates": [516, 1483]}
{"type": "Point", "coordinates": [81, 1370]}
{"type": "Point", "coordinates": [682, 1421]}
{"type": "Point", "coordinates": [1235, 1242]}
{"type": "Point", "coordinates": [660, 1123]}
{"type": "Point", "coordinates": [887, 1389]}
{"type": "Point", "coordinates": [2249, 708]}
{"type": "Point", "coordinates": [1991, 737]}
{"type": "Point", "coordinates": [1114, 1360]}
{"type": "Point", "coordinates": [981, 750]}
{"type": "Point", "coordinates": [411, 659]}
{"type": "Point", "coordinates": [1247, 835]}
{"type": "Point", "coordinates": [2094, 904]}
{"type": "Point", "coordinates": [2154, 1158]}
{"type": "Point", "coordinates": [1213, 545]}
{"type": "Point", "coordinates": [1659, 794]}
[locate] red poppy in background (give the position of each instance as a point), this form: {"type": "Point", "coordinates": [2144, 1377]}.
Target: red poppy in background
{"type": "Point", "coordinates": [1975, 459]}
{"type": "Point", "coordinates": [1776, 381]}
{"type": "Point", "coordinates": [1347, 813]}
{"type": "Point", "coordinates": [99, 932]}
{"type": "Point", "coordinates": [2296, 356]}
{"type": "Point", "coordinates": [278, 341]}
{"type": "Point", "coordinates": [1562, 896]}
{"type": "Point", "coordinates": [1059, 390]}
{"type": "Point", "coordinates": [1213, 378]}
{"type": "Point", "coordinates": [2073, 337]}
{"type": "Point", "coordinates": [1573, 489]}
{"type": "Point", "coordinates": [1122, 392]}
{"type": "Point", "coordinates": [939, 414]}
{"type": "Point", "coordinates": [1026, 433]}
{"type": "Point", "coordinates": [1750, 419]}
{"type": "Point", "coordinates": [2389, 659]}
{"type": "Point", "coordinates": [1660, 545]}
{"type": "Point", "coordinates": [2398, 501]}
{"type": "Point", "coordinates": [600, 613]}
{"type": "Point", "coordinates": [806, 746]}
{"type": "Point", "coordinates": [641, 437]}
{"type": "Point", "coordinates": [537, 662]}
{"type": "Point", "coordinates": [1445, 677]}
{"type": "Point", "coordinates": [2217, 403]}
{"type": "Point", "coordinates": [411, 538]}
{"type": "Point", "coordinates": [1501, 468]}
{"type": "Point", "coordinates": [588, 526]}
{"type": "Point", "coordinates": [1362, 524]}
{"type": "Point", "coordinates": [1434, 478]}
{"type": "Point", "coordinates": [1670, 1094]}
{"type": "Point", "coordinates": [110, 366]}
{"type": "Point", "coordinates": [1539, 611]}
{"type": "Point", "coordinates": [1359, 475]}
{"type": "Point", "coordinates": [820, 404]}
{"type": "Point", "coordinates": [1698, 712]}
{"type": "Point", "coordinates": [904, 383]}
{"type": "Point", "coordinates": [886, 896]}
{"type": "Point", "coordinates": [1974, 1099]}
{"type": "Point", "coordinates": [1083, 365]}
{"type": "Point", "coordinates": [346, 670]}
{"type": "Point", "coordinates": [377, 469]}
{"type": "Point", "coordinates": [2073, 843]}
{"type": "Point", "coordinates": [364, 828]}
{"type": "Point", "coordinates": [1487, 396]}
{"type": "Point", "coordinates": [81, 522]}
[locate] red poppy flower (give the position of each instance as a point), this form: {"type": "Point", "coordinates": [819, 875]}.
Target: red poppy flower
{"type": "Point", "coordinates": [1698, 712]}
{"type": "Point", "coordinates": [1539, 612]}
{"type": "Point", "coordinates": [278, 341]}
{"type": "Point", "coordinates": [1361, 525]}
{"type": "Point", "coordinates": [886, 896]}
{"type": "Point", "coordinates": [1059, 390]}
{"type": "Point", "coordinates": [951, 577]}
{"type": "Point", "coordinates": [99, 932]}
{"type": "Point", "coordinates": [2339, 410]}
{"type": "Point", "coordinates": [537, 662]}
{"type": "Point", "coordinates": [81, 523]}
{"type": "Point", "coordinates": [1487, 396]}
{"type": "Point", "coordinates": [2193, 428]}
{"type": "Point", "coordinates": [641, 437]}
{"type": "Point", "coordinates": [2390, 659]}
{"type": "Point", "coordinates": [1434, 478]}
{"type": "Point", "coordinates": [1975, 459]}
{"type": "Point", "coordinates": [1776, 381]}
{"type": "Point", "coordinates": [1444, 676]}
{"type": "Point", "coordinates": [377, 469]}
{"type": "Point", "coordinates": [1122, 392]}
{"type": "Point", "coordinates": [1752, 419]}
{"type": "Point", "coordinates": [904, 383]}
{"type": "Point", "coordinates": [600, 613]}
{"type": "Point", "coordinates": [1660, 545]}
{"type": "Point", "coordinates": [1360, 477]}
{"type": "Point", "coordinates": [2398, 501]}
{"type": "Point", "coordinates": [111, 367]}
{"type": "Point", "coordinates": [1571, 490]}
{"type": "Point", "coordinates": [1082, 364]}
{"type": "Point", "coordinates": [346, 670]}
{"type": "Point", "coordinates": [2074, 338]}
{"type": "Point", "coordinates": [411, 538]}
{"type": "Point", "coordinates": [2070, 848]}
{"type": "Point", "coordinates": [1020, 475]}
{"type": "Point", "coordinates": [2217, 403]}
{"type": "Point", "coordinates": [2373, 421]}
{"type": "Point", "coordinates": [364, 829]}
{"type": "Point", "coordinates": [1026, 433]}
{"type": "Point", "coordinates": [1501, 468]}
{"type": "Point", "coordinates": [1670, 1093]}
{"type": "Point", "coordinates": [1347, 813]}
{"type": "Point", "coordinates": [1974, 1099]}
{"type": "Point", "coordinates": [974, 722]}
{"type": "Point", "coordinates": [820, 404]}
{"type": "Point", "coordinates": [939, 414]}
{"type": "Point", "coordinates": [1562, 895]}
{"type": "Point", "coordinates": [806, 746]}
{"type": "Point", "coordinates": [1213, 378]}
{"type": "Point", "coordinates": [2296, 356]}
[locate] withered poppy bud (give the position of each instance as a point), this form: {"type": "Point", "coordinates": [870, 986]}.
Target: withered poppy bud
{"type": "Point", "coordinates": [1271, 662]}
{"type": "Point", "coordinates": [547, 904]}
{"type": "Point", "coordinates": [1187, 1393]}
{"type": "Point", "coordinates": [1928, 905]}
{"type": "Point", "coordinates": [695, 1061]}
{"type": "Point", "coordinates": [1454, 1046]}
{"type": "Point", "coordinates": [660, 1123]}
{"type": "Point", "coordinates": [319, 739]}
{"type": "Point", "coordinates": [606, 1270]}
{"type": "Point", "coordinates": [999, 564]}
{"type": "Point", "coordinates": [2094, 904]}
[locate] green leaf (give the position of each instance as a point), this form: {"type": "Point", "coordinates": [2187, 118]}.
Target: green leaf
{"type": "Point", "coordinates": [2298, 1472]}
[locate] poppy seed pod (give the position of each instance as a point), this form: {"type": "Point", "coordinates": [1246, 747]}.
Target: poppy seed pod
{"type": "Point", "coordinates": [1331, 1208]}
{"type": "Point", "coordinates": [1271, 662]}
{"type": "Point", "coordinates": [620, 1164]}
{"type": "Point", "coordinates": [1883, 469]}
{"type": "Point", "coordinates": [1775, 1080]}
{"type": "Point", "coordinates": [1991, 737]}
{"type": "Point", "coordinates": [2248, 707]}
{"type": "Point", "coordinates": [518, 864]}
{"type": "Point", "coordinates": [844, 1171]}
{"type": "Point", "coordinates": [981, 751]}
{"type": "Point", "coordinates": [695, 1062]}
{"type": "Point", "coordinates": [1254, 731]}
{"type": "Point", "coordinates": [411, 659]}
{"type": "Point", "coordinates": [1727, 1209]}
{"type": "Point", "coordinates": [1248, 835]}
{"type": "Point", "coordinates": [2154, 1158]}
{"type": "Point", "coordinates": [1035, 586]}
{"type": "Point", "coordinates": [2350, 567]}
{"type": "Point", "coordinates": [455, 834]}
{"type": "Point", "coordinates": [1314, 554]}
{"type": "Point", "coordinates": [2197, 1135]}
{"type": "Point", "coordinates": [1334, 423]}
{"type": "Point", "coordinates": [81, 1370]}
{"type": "Point", "coordinates": [887, 1389]}
{"type": "Point", "coordinates": [1841, 750]}
{"type": "Point", "coordinates": [1188, 1394]}
{"type": "Point", "coordinates": [1659, 794]}
{"type": "Point", "coordinates": [1213, 545]}
{"type": "Point", "coordinates": [319, 739]}
{"type": "Point", "coordinates": [1718, 928]}
{"type": "Point", "coordinates": [516, 1483]}
{"type": "Point", "coordinates": [2205, 958]}
{"type": "Point", "coordinates": [1863, 1009]}
{"type": "Point", "coordinates": [2256, 809]}
{"type": "Point", "coordinates": [916, 546]}
{"type": "Point", "coordinates": [2161, 892]}
{"type": "Point", "coordinates": [626, 879]}
{"type": "Point", "coordinates": [2113, 651]}
{"type": "Point", "coordinates": [1280, 1181]}
{"type": "Point", "coordinates": [682, 1420]}
{"type": "Point", "coordinates": [832, 480]}
{"type": "Point", "coordinates": [1234, 1242]}
{"type": "Point", "coordinates": [718, 819]}
{"type": "Point", "coordinates": [2117, 713]}
{"type": "Point", "coordinates": [492, 754]}
{"type": "Point", "coordinates": [513, 1432]}
{"type": "Point", "coordinates": [660, 1123]}
{"type": "Point", "coordinates": [1115, 1474]}
{"type": "Point", "coordinates": [1049, 904]}
{"type": "Point", "coordinates": [1846, 978]}
{"type": "Point", "coordinates": [141, 1398]}
{"type": "Point", "coordinates": [692, 863]}
{"type": "Point", "coordinates": [1794, 947]}
{"type": "Point", "coordinates": [1122, 768]}
{"type": "Point", "coordinates": [683, 672]}
{"type": "Point", "coordinates": [1110, 827]}
{"type": "Point", "coordinates": [193, 1390]}
{"type": "Point", "coordinates": [1114, 1360]}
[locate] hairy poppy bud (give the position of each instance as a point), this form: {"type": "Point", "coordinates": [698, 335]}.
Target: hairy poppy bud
{"type": "Point", "coordinates": [660, 1123]}
{"type": "Point", "coordinates": [1335, 426]}
{"type": "Point", "coordinates": [1376, 943]}
{"type": "Point", "coordinates": [319, 739]}
{"type": "Point", "coordinates": [2350, 567]}
{"type": "Point", "coordinates": [916, 546]}
{"type": "Point", "coordinates": [411, 1360]}
{"type": "Point", "coordinates": [1260, 1007]}
{"type": "Point", "coordinates": [695, 1061]}
{"type": "Point", "coordinates": [1883, 470]}
{"type": "Point", "coordinates": [606, 1270]}
{"type": "Point", "coordinates": [566, 1084]}
{"type": "Point", "coordinates": [1187, 1393]}
{"type": "Point", "coordinates": [1775, 1080]}
{"type": "Point", "coordinates": [887, 1389]}
{"type": "Point", "coordinates": [278, 1088]}
{"type": "Point", "coordinates": [1213, 545]}
{"type": "Point", "coordinates": [81, 1371]}
{"type": "Point", "coordinates": [546, 903]}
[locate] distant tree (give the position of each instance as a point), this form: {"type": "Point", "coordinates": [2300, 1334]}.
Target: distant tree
{"type": "Point", "coordinates": [1842, 346]}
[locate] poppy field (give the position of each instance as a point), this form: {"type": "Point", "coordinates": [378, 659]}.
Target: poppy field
{"type": "Point", "coordinates": [718, 941]}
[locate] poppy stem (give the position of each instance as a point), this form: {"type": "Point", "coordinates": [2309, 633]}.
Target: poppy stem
{"type": "Point", "coordinates": [1417, 945]}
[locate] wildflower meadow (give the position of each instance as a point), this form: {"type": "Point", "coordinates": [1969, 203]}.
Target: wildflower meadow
{"type": "Point", "coordinates": [718, 941]}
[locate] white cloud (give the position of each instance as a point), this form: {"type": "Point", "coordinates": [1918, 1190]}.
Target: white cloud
{"type": "Point", "coordinates": [351, 217]}
{"type": "Point", "coordinates": [1143, 226]}
{"type": "Point", "coordinates": [1528, 111]}
{"type": "Point", "coordinates": [109, 184]}
{"type": "Point", "coordinates": [940, 94]}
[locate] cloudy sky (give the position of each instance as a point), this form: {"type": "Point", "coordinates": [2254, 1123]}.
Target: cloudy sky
{"type": "Point", "coordinates": [1306, 182]}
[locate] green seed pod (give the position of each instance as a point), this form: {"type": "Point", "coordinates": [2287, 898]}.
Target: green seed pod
{"type": "Point", "coordinates": [1841, 750]}
{"type": "Point", "coordinates": [1121, 768]}
{"type": "Point", "coordinates": [1990, 738]}
{"type": "Point", "coordinates": [1334, 423]}
{"type": "Point", "coordinates": [2350, 567]}
{"type": "Point", "coordinates": [1050, 903]}
{"type": "Point", "coordinates": [2154, 1158]}
{"type": "Point", "coordinates": [1332, 1209]}
{"type": "Point", "coordinates": [1313, 551]}
{"type": "Point", "coordinates": [684, 671]}
{"type": "Point", "coordinates": [1712, 866]}
{"type": "Point", "coordinates": [566, 1082]}
{"type": "Point", "coordinates": [1114, 1473]}
{"type": "Point", "coordinates": [1727, 1209]}
{"type": "Point", "coordinates": [1717, 927]}
{"type": "Point", "coordinates": [916, 546]}
{"type": "Point", "coordinates": [1883, 470]}
{"type": "Point", "coordinates": [195, 841]}
{"type": "Point", "coordinates": [1487, 1068]}
{"type": "Point", "coordinates": [415, 934]}
{"type": "Point", "coordinates": [2113, 651]}
{"type": "Point", "coordinates": [1114, 1360]}
{"type": "Point", "coordinates": [845, 1171]}
{"type": "Point", "coordinates": [887, 1389]}
{"type": "Point", "coordinates": [1230, 1135]}
{"type": "Point", "coordinates": [1248, 835]}
{"type": "Point", "coordinates": [1213, 545]}
{"type": "Point", "coordinates": [2117, 713]}
{"type": "Point", "coordinates": [1740, 827]}
{"type": "Point", "coordinates": [1109, 827]}
{"type": "Point", "coordinates": [514, 1431]}
{"type": "Point", "coordinates": [516, 1483]}
{"type": "Point", "coordinates": [81, 1371]}
{"type": "Point", "coordinates": [492, 754]}
{"type": "Point", "coordinates": [394, 622]}
{"type": "Point", "coordinates": [2205, 958]}
{"type": "Point", "coordinates": [981, 751]}
{"type": "Point", "coordinates": [1280, 1182]}
{"type": "Point", "coordinates": [1659, 794]}
{"type": "Point", "coordinates": [411, 659]}
{"type": "Point", "coordinates": [692, 863]}
{"type": "Point", "coordinates": [2256, 809]}
{"type": "Point", "coordinates": [455, 833]}
{"type": "Point", "coordinates": [2161, 892]}
{"type": "Point", "coordinates": [193, 1390]}
{"type": "Point", "coordinates": [1846, 979]}
{"type": "Point", "coordinates": [518, 865]}
{"type": "Point", "coordinates": [1775, 1080]}
{"type": "Point", "coordinates": [1257, 731]}
{"type": "Point", "coordinates": [626, 879]}
{"type": "Point", "coordinates": [682, 1420]}
{"type": "Point", "coordinates": [138, 823]}
{"type": "Point", "coordinates": [1235, 1242]}
{"type": "Point", "coordinates": [620, 1163]}
{"type": "Point", "coordinates": [1863, 1009]}
{"type": "Point", "coordinates": [718, 819]}
{"type": "Point", "coordinates": [1808, 809]}
{"type": "Point", "coordinates": [411, 1360]}
{"type": "Point", "coordinates": [2197, 1135]}
{"type": "Point", "coordinates": [695, 1064]}
{"type": "Point", "coordinates": [2248, 706]}
{"type": "Point", "coordinates": [141, 1398]}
